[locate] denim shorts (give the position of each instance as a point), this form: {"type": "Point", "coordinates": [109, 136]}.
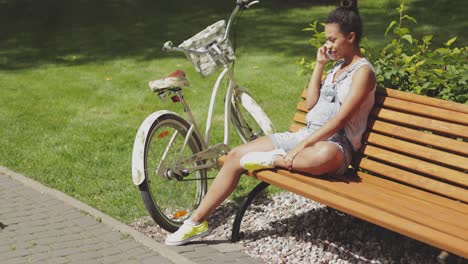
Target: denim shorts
{"type": "Point", "coordinates": [288, 140]}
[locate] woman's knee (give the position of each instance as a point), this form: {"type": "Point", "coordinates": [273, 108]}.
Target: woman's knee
{"type": "Point", "coordinates": [259, 144]}
{"type": "Point", "coordinates": [327, 152]}
{"type": "Point", "coordinates": [236, 153]}
{"type": "Point", "coordinates": [322, 156]}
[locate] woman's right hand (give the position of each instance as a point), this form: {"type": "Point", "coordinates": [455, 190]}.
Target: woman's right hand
{"type": "Point", "coordinates": [322, 56]}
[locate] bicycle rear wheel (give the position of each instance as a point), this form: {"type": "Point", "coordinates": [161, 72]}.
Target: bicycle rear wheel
{"type": "Point", "coordinates": [169, 200]}
{"type": "Point", "coordinates": [248, 117]}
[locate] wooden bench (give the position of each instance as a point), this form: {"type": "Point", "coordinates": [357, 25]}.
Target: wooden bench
{"type": "Point", "coordinates": [410, 176]}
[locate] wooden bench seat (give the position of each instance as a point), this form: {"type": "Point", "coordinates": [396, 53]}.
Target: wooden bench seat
{"type": "Point", "coordinates": [410, 176]}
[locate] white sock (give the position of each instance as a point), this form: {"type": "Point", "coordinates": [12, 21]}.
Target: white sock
{"type": "Point", "coordinates": [277, 152]}
{"type": "Point", "coordinates": [191, 222]}
{"type": "Point", "coordinates": [280, 152]}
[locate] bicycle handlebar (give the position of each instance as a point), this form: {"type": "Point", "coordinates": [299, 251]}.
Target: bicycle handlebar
{"type": "Point", "coordinates": [244, 4]}
{"type": "Point", "coordinates": [168, 46]}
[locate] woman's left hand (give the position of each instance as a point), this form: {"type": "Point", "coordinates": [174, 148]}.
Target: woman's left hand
{"type": "Point", "coordinates": [289, 157]}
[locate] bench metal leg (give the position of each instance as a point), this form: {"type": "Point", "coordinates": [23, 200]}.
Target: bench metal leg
{"type": "Point", "coordinates": [245, 204]}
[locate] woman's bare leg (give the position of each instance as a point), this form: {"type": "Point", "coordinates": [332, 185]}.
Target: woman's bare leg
{"type": "Point", "coordinates": [323, 157]}
{"type": "Point", "coordinates": [228, 177]}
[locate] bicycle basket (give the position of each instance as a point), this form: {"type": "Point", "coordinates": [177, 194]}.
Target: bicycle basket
{"type": "Point", "coordinates": [205, 63]}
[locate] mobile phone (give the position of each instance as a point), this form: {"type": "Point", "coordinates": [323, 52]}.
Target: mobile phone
{"type": "Point", "coordinates": [330, 55]}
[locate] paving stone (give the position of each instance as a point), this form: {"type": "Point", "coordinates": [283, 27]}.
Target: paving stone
{"type": "Point", "coordinates": [127, 245]}
{"type": "Point", "coordinates": [18, 260]}
{"type": "Point", "coordinates": [112, 259]}
{"type": "Point", "coordinates": [15, 253]}
{"type": "Point", "coordinates": [58, 260]}
{"type": "Point", "coordinates": [181, 250]}
{"type": "Point", "coordinates": [111, 251]}
{"type": "Point", "coordinates": [88, 255]}
{"type": "Point", "coordinates": [40, 249]}
{"type": "Point", "coordinates": [155, 259]}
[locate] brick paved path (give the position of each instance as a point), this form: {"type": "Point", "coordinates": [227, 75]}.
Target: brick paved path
{"type": "Point", "coordinates": [42, 225]}
{"type": "Point", "coordinates": [38, 228]}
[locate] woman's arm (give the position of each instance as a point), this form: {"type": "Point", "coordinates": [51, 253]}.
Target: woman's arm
{"type": "Point", "coordinates": [313, 89]}
{"type": "Point", "coordinates": [362, 84]}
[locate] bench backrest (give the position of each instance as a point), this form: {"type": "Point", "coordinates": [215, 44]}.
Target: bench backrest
{"type": "Point", "coordinates": [414, 140]}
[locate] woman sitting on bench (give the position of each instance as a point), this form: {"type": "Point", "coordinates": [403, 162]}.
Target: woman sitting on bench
{"type": "Point", "coordinates": [339, 108]}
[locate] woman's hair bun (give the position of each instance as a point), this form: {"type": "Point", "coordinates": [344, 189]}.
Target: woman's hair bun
{"type": "Point", "coordinates": [350, 4]}
{"type": "Point", "coordinates": [346, 15]}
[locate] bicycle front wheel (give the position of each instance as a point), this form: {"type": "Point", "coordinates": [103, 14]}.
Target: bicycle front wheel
{"type": "Point", "coordinates": [248, 117]}
{"type": "Point", "coordinates": [171, 200]}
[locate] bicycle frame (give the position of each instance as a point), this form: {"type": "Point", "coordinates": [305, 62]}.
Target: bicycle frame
{"type": "Point", "coordinates": [227, 104]}
{"type": "Point", "coordinates": [209, 154]}
{"type": "Point", "coordinates": [229, 93]}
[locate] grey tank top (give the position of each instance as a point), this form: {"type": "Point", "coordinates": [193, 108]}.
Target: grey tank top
{"type": "Point", "coordinates": [329, 103]}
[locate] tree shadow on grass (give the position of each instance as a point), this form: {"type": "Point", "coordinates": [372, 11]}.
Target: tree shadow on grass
{"type": "Point", "coordinates": [82, 31]}
{"type": "Point", "coordinates": [33, 33]}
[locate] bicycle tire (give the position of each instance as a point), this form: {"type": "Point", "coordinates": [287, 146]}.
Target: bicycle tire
{"type": "Point", "coordinates": [248, 117]}
{"type": "Point", "coordinates": [170, 201]}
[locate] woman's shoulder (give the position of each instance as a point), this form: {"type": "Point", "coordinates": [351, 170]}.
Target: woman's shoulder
{"type": "Point", "coordinates": [363, 61]}
{"type": "Point", "coordinates": [365, 73]}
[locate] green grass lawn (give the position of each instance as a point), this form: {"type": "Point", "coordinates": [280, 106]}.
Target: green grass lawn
{"type": "Point", "coordinates": [73, 79]}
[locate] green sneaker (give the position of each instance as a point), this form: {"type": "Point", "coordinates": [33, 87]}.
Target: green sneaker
{"type": "Point", "coordinates": [187, 232]}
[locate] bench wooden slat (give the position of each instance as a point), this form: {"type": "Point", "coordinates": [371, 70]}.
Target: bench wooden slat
{"type": "Point", "coordinates": [439, 103]}
{"type": "Point", "coordinates": [416, 180]}
{"type": "Point", "coordinates": [421, 109]}
{"type": "Point", "coordinates": [366, 212]}
{"type": "Point", "coordinates": [410, 207]}
{"type": "Point", "coordinates": [413, 164]}
{"type": "Point", "coordinates": [421, 122]}
{"type": "Point", "coordinates": [418, 151]}
{"type": "Point", "coordinates": [415, 192]}
{"type": "Point", "coordinates": [295, 127]}
{"type": "Point", "coordinates": [417, 136]}
{"type": "Point", "coordinates": [304, 93]}
{"type": "Point", "coordinates": [300, 118]}
{"type": "Point", "coordinates": [301, 106]}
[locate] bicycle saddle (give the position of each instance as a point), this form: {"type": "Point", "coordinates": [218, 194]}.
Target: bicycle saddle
{"type": "Point", "coordinates": [173, 80]}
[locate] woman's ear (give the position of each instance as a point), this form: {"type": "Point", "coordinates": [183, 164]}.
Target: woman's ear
{"type": "Point", "coordinates": [352, 37]}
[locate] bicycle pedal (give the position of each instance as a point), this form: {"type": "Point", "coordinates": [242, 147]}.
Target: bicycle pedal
{"type": "Point", "coordinates": [169, 174]}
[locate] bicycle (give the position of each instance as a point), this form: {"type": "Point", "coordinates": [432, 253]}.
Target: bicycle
{"type": "Point", "coordinates": [170, 159]}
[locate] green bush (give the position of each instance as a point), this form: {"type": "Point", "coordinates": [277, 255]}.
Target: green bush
{"type": "Point", "coordinates": [409, 64]}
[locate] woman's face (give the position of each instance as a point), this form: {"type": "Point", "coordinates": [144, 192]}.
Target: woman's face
{"type": "Point", "coordinates": [338, 45]}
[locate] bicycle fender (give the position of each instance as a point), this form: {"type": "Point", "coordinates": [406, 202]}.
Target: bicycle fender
{"type": "Point", "coordinates": [138, 162]}
{"type": "Point", "coordinates": [257, 112]}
